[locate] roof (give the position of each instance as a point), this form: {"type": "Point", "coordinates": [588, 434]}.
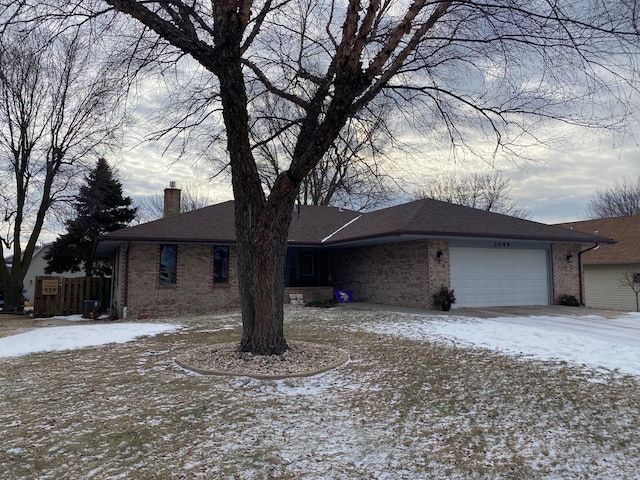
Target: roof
{"type": "Point", "coordinates": [428, 217]}
{"type": "Point", "coordinates": [625, 230]}
{"type": "Point", "coordinates": [39, 250]}
{"type": "Point", "coordinates": [330, 226]}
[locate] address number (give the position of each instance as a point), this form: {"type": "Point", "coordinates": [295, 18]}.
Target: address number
{"type": "Point", "coordinates": [501, 244]}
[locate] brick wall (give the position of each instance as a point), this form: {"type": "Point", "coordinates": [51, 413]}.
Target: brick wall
{"type": "Point", "coordinates": [309, 294]}
{"type": "Point", "coordinates": [566, 279]}
{"type": "Point", "coordinates": [194, 292]}
{"type": "Point", "coordinates": [406, 274]}
{"type": "Point", "coordinates": [439, 267]}
{"type": "Point", "coordinates": [394, 274]}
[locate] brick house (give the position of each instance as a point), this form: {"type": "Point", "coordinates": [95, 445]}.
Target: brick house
{"type": "Point", "coordinates": [607, 268]}
{"type": "Point", "coordinates": [186, 263]}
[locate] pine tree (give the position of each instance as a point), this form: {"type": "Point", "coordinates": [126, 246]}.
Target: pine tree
{"type": "Point", "coordinates": [100, 208]}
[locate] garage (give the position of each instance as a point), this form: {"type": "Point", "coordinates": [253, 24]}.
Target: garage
{"type": "Point", "coordinates": [605, 286]}
{"type": "Point", "coordinates": [485, 277]}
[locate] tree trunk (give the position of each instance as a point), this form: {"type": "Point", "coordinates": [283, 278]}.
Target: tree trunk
{"type": "Point", "coordinates": [261, 263]}
{"type": "Point", "coordinates": [262, 225]}
{"type": "Point", "coordinates": [12, 292]}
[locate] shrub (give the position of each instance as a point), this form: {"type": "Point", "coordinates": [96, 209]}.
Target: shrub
{"type": "Point", "coordinates": [569, 300]}
{"type": "Point", "coordinates": [326, 303]}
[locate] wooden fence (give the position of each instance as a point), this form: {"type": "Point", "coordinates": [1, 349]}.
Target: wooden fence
{"type": "Point", "coordinates": [67, 296]}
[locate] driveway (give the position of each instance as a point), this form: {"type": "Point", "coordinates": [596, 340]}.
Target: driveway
{"type": "Point", "coordinates": [621, 330]}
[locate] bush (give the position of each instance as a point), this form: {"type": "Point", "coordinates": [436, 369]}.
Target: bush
{"type": "Point", "coordinates": [326, 303]}
{"type": "Point", "coordinates": [569, 300]}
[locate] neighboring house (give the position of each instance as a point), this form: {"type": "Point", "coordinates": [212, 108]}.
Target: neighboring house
{"type": "Point", "coordinates": [607, 268]}
{"type": "Point", "coordinates": [187, 263]}
{"type": "Point", "coordinates": [36, 269]}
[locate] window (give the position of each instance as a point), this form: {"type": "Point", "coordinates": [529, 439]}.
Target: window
{"type": "Point", "coordinates": [168, 264]}
{"type": "Point", "coordinates": [307, 263]}
{"type": "Point", "coordinates": [220, 264]}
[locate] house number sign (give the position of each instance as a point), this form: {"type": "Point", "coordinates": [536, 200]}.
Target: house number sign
{"type": "Point", "coordinates": [49, 287]}
{"type": "Point", "coordinates": [501, 244]}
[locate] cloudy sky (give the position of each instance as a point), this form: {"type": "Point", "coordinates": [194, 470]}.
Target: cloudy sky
{"type": "Point", "coordinates": [555, 185]}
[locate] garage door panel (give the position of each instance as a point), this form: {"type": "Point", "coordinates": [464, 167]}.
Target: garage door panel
{"type": "Point", "coordinates": [604, 286]}
{"type": "Point", "coordinates": [491, 277]}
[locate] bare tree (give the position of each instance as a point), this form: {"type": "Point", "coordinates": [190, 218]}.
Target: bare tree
{"type": "Point", "coordinates": [485, 191]}
{"type": "Point", "coordinates": [57, 105]}
{"type": "Point", "coordinates": [632, 281]}
{"type": "Point", "coordinates": [350, 173]}
{"type": "Point", "coordinates": [619, 200]}
{"type": "Point", "coordinates": [451, 68]}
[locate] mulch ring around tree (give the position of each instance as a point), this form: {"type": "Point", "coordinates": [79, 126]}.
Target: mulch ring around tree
{"type": "Point", "coordinates": [302, 359]}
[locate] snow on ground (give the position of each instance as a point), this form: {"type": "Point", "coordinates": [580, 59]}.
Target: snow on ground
{"type": "Point", "coordinates": [590, 340]}
{"type": "Point", "coordinates": [77, 336]}
{"type": "Point", "coordinates": [397, 410]}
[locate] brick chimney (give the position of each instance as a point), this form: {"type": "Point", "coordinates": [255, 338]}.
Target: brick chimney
{"type": "Point", "coordinates": [171, 200]}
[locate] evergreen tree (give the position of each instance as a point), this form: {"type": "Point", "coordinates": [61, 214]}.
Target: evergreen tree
{"type": "Point", "coordinates": [100, 208]}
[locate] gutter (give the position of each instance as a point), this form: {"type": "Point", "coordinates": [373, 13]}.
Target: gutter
{"type": "Point", "coordinates": [595, 247]}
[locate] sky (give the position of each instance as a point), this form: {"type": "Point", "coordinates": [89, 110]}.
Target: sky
{"type": "Point", "coordinates": [554, 182]}
{"type": "Point", "coordinates": [555, 186]}
{"type": "Point", "coordinates": [584, 340]}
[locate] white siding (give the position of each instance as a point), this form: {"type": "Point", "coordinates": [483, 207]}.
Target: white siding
{"type": "Point", "coordinates": [495, 276]}
{"type": "Point", "coordinates": [603, 287]}
{"type": "Point", "coordinates": [36, 269]}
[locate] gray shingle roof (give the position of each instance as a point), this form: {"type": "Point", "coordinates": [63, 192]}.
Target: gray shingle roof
{"type": "Point", "coordinates": [442, 219]}
{"type": "Point", "coordinates": [318, 225]}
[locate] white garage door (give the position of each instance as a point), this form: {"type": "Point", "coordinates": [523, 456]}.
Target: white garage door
{"type": "Point", "coordinates": [493, 277]}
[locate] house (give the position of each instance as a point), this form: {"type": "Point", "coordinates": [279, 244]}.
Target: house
{"type": "Point", "coordinates": [36, 269]}
{"type": "Point", "coordinates": [186, 263]}
{"type": "Point", "coordinates": [607, 268]}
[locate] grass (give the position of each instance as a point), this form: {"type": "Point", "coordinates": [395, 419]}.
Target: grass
{"type": "Point", "coordinates": [399, 409]}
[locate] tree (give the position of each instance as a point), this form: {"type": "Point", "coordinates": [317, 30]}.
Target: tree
{"type": "Point", "coordinates": [100, 208]}
{"type": "Point", "coordinates": [350, 173]}
{"type": "Point", "coordinates": [485, 191]}
{"type": "Point", "coordinates": [451, 68]}
{"type": "Point", "coordinates": [57, 105]}
{"type": "Point", "coordinates": [619, 200]}
{"type": "Point", "coordinates": [632, 280]}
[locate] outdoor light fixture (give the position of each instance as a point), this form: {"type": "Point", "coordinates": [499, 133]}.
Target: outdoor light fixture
{"type": "Point", "coordinates": [439, 255]}
{"type": "Point", "coordinates": [569, 257]}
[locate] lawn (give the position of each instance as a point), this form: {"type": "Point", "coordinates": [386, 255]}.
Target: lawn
{"type": "Point", "coordinates": [405, 406]}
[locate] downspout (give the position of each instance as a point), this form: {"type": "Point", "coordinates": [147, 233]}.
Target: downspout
{"type": "Point", "coordinates": [595, 247]}
{"type": "Point", "coordinates": [126, 282]}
